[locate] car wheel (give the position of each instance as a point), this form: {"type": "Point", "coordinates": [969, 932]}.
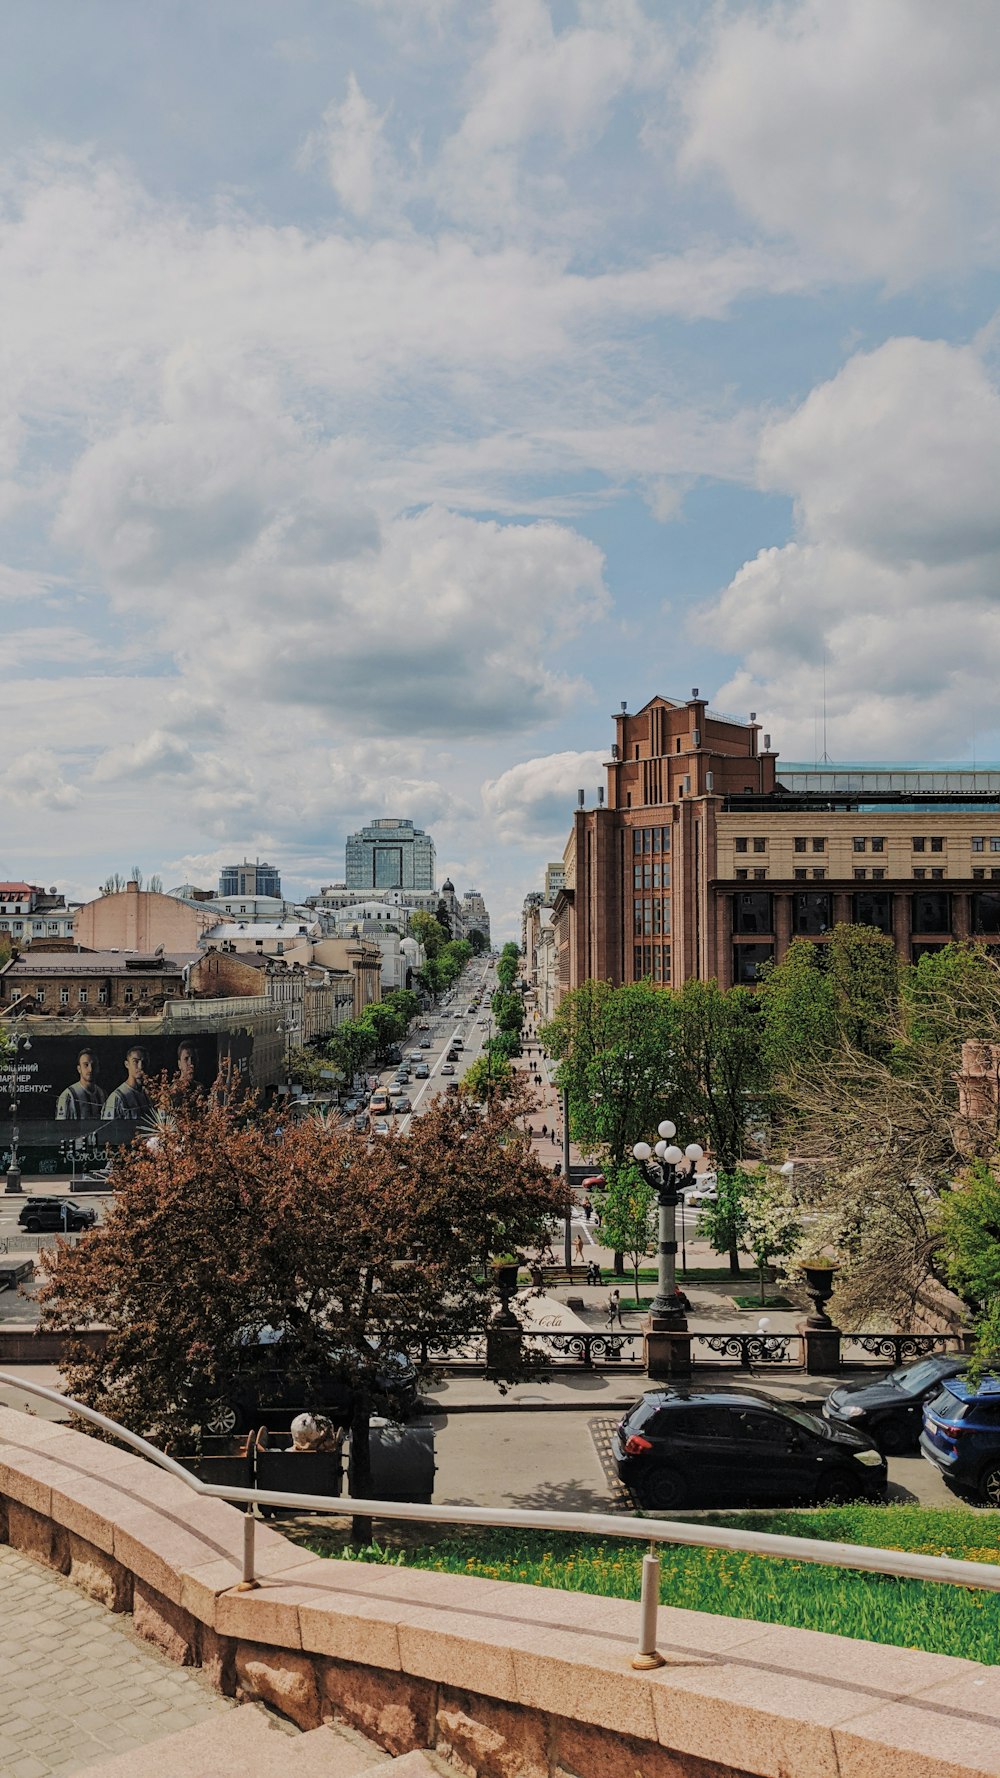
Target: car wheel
{"type": "Point", "coordinates": [33, 1227]}
{"type": "Point", "coordinates": [989, 1485]}
{"type": "Point", "coordinates": [838, 1489]}
{"type": "Point", "coordinates": [665, 1490]}
{"type": "Point", "coordinates": [222, 1419]}
{"type": "Point", "coordinates": [893, 1440]}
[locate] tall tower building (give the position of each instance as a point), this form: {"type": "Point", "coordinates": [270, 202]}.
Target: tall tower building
{"type": "Point", "coordinates": [390, 854]}
{"type": "Point", "coordinates": [250, 879]}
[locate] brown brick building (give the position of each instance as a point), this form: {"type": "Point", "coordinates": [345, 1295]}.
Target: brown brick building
{"type": "Point", "coordinates": [102, 983]}
{"type": "Point", "coordinates": [707, 858]}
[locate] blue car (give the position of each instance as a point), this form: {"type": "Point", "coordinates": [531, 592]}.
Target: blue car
{"type": "Point", "coordinates": [961, 1436]}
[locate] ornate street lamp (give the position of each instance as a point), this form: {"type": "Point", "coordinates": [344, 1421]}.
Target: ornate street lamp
{"type": "Point", "coordinates": [666, 1314]}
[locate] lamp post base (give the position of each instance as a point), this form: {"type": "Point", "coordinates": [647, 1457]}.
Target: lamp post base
{"type": "Point", "coordinates": [667, 1350]}
{"type": "Point", "coordinates": [13, 1184]}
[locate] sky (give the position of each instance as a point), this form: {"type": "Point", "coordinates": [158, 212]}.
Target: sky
{"type": "Point", "coordinates": [389, 389]}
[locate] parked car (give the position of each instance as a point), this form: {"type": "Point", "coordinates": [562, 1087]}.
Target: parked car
{"type": "Point", "coordinates": [39, 1215]}
{"type": "Point", "coordinates": [704, 1190]}
{"type": "Point", "coordinates": [890, 1409]}
{"type": "Point", "coordinates": [446, 1068]}
{"type": "Point", "coordinates": [961, 1436]}
{"type": "Point", "coordinates": [687, 1447]}
{"type": "Point", "coordinates": [273, 1385]}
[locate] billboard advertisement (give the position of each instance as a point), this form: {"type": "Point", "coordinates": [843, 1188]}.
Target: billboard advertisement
{"type": "Point", "coordinates": [98, 1081]}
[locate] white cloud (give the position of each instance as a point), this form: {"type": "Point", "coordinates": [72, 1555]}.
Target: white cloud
{"type": "Point", "coordinates": [869, 133]}
{"type": "Point", "coordinates": [352, 147]}
{"type": "Point", "coordinates": [532, 803]}
{"type": "Point", "coordinates": [893, 465]}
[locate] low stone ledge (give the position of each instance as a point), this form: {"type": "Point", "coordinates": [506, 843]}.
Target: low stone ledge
{"type": "Point", "coordinates": [507, 1681]}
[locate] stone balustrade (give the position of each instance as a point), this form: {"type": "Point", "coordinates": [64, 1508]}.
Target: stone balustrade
{"type": "Point", "coordinates": [505, 1681]}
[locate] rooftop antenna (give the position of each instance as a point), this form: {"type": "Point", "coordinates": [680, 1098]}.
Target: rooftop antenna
{"type": "Point", "coordinates": [825, 759]}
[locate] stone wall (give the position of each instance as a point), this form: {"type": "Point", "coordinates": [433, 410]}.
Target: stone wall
{"type": "Point", "coordinates": [504, 1681]}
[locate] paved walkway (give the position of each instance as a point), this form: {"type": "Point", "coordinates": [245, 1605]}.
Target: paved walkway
{"type": "Point", "coordinates": [75, 1684]}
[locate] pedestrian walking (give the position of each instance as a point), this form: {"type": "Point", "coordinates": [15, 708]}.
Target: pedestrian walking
{"type": "Point", "coordinates": [615, 1308]}
{"type": "Point", "coordinates": [578, 1248]}
{"type": "Point", "coordinates": [545, 1129]}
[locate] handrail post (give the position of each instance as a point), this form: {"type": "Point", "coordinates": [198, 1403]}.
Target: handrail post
{"type": "Point", "coordinates": [248, 1582]}
{"type": "Point", "coordinates": [647, 1656]}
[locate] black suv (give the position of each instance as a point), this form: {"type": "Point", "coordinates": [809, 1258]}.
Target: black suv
{"type": "Point", "coordinates": [685, 1447]}
{"type": "Point", "coordinates": [40, 1215]}
{"type": "Point", "coordinates": [890, 1409]}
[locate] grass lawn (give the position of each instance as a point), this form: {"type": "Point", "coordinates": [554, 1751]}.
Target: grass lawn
{"type": "Point", "coordinates": [911, 1614]}
{"type": "Point", "coordinates": [754, 1302]}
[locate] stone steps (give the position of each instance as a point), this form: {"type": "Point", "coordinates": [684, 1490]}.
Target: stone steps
{"type": "Point", "coordinates": [249, 1743]}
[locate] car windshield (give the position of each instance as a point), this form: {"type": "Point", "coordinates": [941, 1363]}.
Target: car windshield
{"type": "Point", "coordinates": [915, 1377]}
{"type": "Point", "coordinates": [811, 1422]}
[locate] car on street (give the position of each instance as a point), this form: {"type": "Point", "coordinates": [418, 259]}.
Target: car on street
{"type": "Point", "coordinates": [350, 1106]}
{"type": "Point", "coordinates": [41, 1215]}
{"type": "Point", "coordinates": [425, 1043]}
{"type": "Point", "coordinates": [380, 1127]}
{"type": "Point", "coordinates": [361, 1120]}
{"type": "Point", "coordinates": [704, 1190]}
{"type": "Point", "coordinates": [452, 1055]}
{"type": "Point", "coordinates": [414, 1055]}
{"type": "Point", "coordinates": [447, 1068]}
{"type": "Point", "coordinates": [401, 1105]}
{"type": "Point", "coordinates": [396, 1091]}
{"type": "Point", "coordinates": [961, 1436]}
{"type": "Point", "coordinates": [421, 1071]}
{"type": "Point", "coordinates": [684, 1446]}
{"type": "Point", "coordinates": [274, 1383]}
{"type": "Point", "coordinates": [890, 1409]}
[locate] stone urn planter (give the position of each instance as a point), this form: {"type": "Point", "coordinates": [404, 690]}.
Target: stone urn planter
{"type": "Point", "coordinates": [820, 1276]}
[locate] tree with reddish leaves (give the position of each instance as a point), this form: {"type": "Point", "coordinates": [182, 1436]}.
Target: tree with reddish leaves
{"type": "Point", "coordinates": [223, 1227]}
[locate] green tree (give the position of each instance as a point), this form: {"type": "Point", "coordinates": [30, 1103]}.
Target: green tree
{"type": "Point", "coordinates": [771, 1224]}
{"type": "Point", "coordinates": [429, 933]}
{"type": "Point", "coordinates": [724, 1222]}
{"type": "Point", "coordinates": [626, 1216]}
{"type": "Point", "coordinates": [615, 1048]}
{"type": "Point", "coordinates": [720, 1087]}
{"type": "Point", "coordinates": [352, 1047]}
{"type": "Point", "coordinates": [508, 965]}
{"type": "Point", "coordinates": [311, 1069]}
{"type": "Point", "coordinates": [488, 1074]}
{"type": "Point", "coordinates": [968, 1224]}
{"type": "Point", "coordinates": [443, 919]}
{"type": "Point", "coordinates": [800, 1027]}
{"type": "Point", "coordinates": [478, 941]}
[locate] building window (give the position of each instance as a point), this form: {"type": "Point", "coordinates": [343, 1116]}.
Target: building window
{"type": "Point", "coordinates": [637, 920]}
{"type": "Point", "coordinates": [919, 845]}
{"type": "Point", "coordinates": [742, 876]}
{"type": "Point", "coordinates": [637, 839]}
{"type": "Point", "coordinates": [819, 876]}
{"type": "Point", "coordinates": [920, 873]}
{"type": "Point", "coordinates": [995, 843]}
{"type": "Point", "coordinates": [83, 996]}
{"type": "Point", "coordinates": [102, 996]}
{"type": "Point", "coordinates": [918, 951]}
{"type": "Point", "coordinates": [878, 875]}
{"type": "Point", "coordinates": [979, 873]}
{"type": "Point", "coordinates": [760, 876]}
{"type": "Point", "coordinates": [811, 915]}
{"type": "Point", "coordinates": [747, 960]}
{"type": "Point", "coordinates": [932, 912]}
{"type": "Point", "coordinates": [53, 926]}
{"type": "Point", "coordinates": [637, 876]}
{"type": "Point", "coordinates": [860, 843]}
{"type": "Point", "coordinates": [637, 963]}
{"type": "Point", "coordinates": [937, 873]}
{"type": "Point", "coordinates": [760, 845]}
{"type": "Point", "coordinates": [741, 845]}
{"type": "Point", "coordinates": [873, 910]}
{"type": "Point", "coordinates": [800, 844]}
{"type": "Point", "coordinates": [937, 844]}
{"type": "Point", "coordinates": [64, 997]}
{"type": "Point", "coordinates": [40, 993]}
{"type": "Point", "coordinates": [878, 843]}
{"type": "Point", "coordinates": [976, 842]}
{"type": "Point", "coordinates": [986, 912]}
{"type": "Point", "coordinates": [752, 913]}
{"type": "Point", "coordinates": [819, 845]}
{"type": "Point", "coordinates": [800, 875]}
{"type": "Point", "coordinates": [129, 996]}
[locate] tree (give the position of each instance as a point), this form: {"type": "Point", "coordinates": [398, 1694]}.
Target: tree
{"type": "Point", "coordinates": [771, 1225]}
{"type": "Point", "coordinates": [488, 1074]}
{"type": "Point", "coordinates": [429, 933]}
{"type": "Point", "coordinates": [478, 942]}
{"type": "Point", "coordinates": [615, 1050]}
{"type": "Point", "coordinates": [508, 965]}
{"type": "Point", "coordinates": [626, 1216]}
{"type": "Point", "coordinates": [724, 1221]}
{"type": "Point", "coordinates": [311, 1069]}
{"type": "Point", "coordinates": [225, 1229]}
{"type": "Point", "coordinates": [968, 1223]}
{"type": "Point", "coordinates": [443, 918]}
{"type": "Point", "coordinates": [720, 1084]}
{"type": "Point", "coordinates": [351, 1047]}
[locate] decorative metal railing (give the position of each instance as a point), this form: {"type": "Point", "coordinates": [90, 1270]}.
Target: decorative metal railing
{"type": "Point", "coordinates": [748, 1350]}
{"type": "Point", "coordinates": [588, 1350]}
{"type": "Point", "coordinates": [882, 1348]}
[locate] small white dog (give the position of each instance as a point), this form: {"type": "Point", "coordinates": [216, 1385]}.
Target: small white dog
{"type": "Point", "coordinates": [314, 1432]}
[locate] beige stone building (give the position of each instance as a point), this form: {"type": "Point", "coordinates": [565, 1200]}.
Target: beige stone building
{"type": "Point", "coordinates": [139, 920]}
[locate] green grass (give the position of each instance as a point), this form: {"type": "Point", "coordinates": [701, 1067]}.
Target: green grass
{"type": "Point", "coordinates": [942, 1619]}
{"type": "Point", "coordinates": [754, 1302]}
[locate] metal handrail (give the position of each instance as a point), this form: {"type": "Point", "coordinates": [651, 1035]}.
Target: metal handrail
{"type": "Point", "coordinates": [903, 1564]}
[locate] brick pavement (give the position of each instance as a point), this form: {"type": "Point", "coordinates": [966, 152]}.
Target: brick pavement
{"type": "Point", "coordinates": [75, 1684]}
